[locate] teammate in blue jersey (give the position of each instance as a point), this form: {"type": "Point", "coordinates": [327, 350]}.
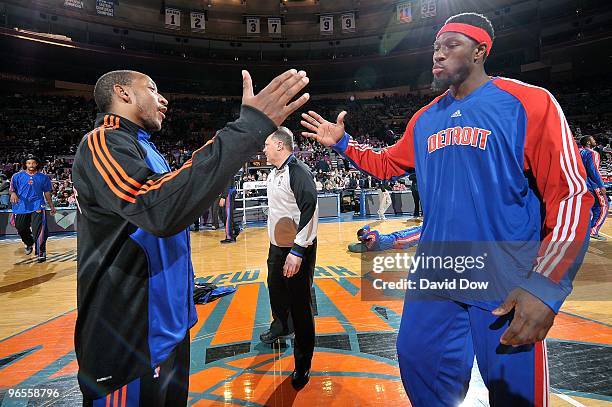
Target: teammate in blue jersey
{"type": "Point", "coordinates": [599, 211]}
{"type": "Point", "coordinates": [374, 241]}
{"type": "Point", "coordinates": [496, 163]}
{"type": "Point", "coordinates": [29, 188]}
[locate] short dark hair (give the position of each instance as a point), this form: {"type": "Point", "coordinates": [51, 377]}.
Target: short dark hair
{"type": "Point", "coordinates": [584, 140]}
{"type": "Point", "coordinates": [31, 157]}
{"type": "Point", "coordinates": [103, 91]}
{"type": "Point", "coordinates": [285, 135]}
{"type": "Point", "coordinates": [360, 233]}
{"type": "Point", "coordinates": [475, 19]}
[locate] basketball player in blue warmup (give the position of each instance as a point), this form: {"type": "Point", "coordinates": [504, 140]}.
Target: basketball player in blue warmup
{"type": "Point", "coordinates": [374, 241]}
{"type": "Point", "coordinates": [495, 162]}
{"type": "Point", "coordinates": [29, 188]}
{"type": "Point", "coordinates": [599, 211]}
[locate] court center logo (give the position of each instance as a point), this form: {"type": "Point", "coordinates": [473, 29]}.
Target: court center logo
{"type": "Point", "coordinates": [355, 345]}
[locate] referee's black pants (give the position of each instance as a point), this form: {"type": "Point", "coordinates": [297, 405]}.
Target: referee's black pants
{"type": "Point", "coordinates": [291, 301]}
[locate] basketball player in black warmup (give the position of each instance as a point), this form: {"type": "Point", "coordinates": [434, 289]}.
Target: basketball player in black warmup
{"type": "Point", "coordinates": [134, 271]}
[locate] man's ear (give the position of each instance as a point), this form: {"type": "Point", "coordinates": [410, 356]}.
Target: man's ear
{"type": "Point", "coordinates": [122, 93]}
{"type": "Point", "coordinates": [480, 52]}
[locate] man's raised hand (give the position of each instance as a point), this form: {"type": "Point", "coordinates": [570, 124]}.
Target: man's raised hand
{"type": "Point", "coordinates": [273, 100]}
{"type": "Point", "coordinates": [324, 132]}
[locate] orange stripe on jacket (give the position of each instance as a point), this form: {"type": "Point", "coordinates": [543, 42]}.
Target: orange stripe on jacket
{"type": "Point", "coordinates": [111, 121]}
{"type": "Point", "coordinates": [109, 168]}
{"type": "Point", "coordinates": [100, 169]}
{"type": "Point", "coordinates": [163, 179]}
{"type": "Point", "coordinates": [152, 185]}
{"type": "Point", "coordinates": [123, 395]}
{"type": "Point", "coordinates": [118, 173]}
{"type": "Point", "coordinates": [117, 166]}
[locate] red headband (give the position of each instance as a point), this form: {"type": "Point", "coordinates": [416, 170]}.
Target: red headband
{"type": "Point", "coordinates": [476, 33]}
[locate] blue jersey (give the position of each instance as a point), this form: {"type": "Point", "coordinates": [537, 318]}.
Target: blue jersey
{"type": "Point", "coordinates": [590, 159]}
{"type": "Point", "coordinates": [499, 165]}
{"type": "Point", "coordinates": [30, 189]}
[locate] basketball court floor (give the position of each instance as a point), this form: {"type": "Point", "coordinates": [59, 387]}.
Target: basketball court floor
{"type": "Point", "coordinates": [354, 363]}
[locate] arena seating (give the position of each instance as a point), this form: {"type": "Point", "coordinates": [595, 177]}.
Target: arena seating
{"type": "Point", "coordinates": [52, 126]}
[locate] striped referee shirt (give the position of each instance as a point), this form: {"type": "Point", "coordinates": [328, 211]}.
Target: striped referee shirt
{"type": "Point", "coordinates": [293, 207]}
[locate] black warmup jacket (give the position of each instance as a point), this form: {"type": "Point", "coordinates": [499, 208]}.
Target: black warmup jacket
{"type": "Point", "coordinates": [134, 271]}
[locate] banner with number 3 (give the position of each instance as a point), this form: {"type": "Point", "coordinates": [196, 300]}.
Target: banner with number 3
{"type": "Point", "coordinates": [252, 25]}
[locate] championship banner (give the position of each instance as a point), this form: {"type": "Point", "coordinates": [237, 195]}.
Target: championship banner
{"type": "Point", "coordinates": [348, 23]}
{"type": "Point", "coordinates": [105, 8]}
{"type": "Point", "coordinates": [74, 3]}
{"type": "Point", "coordinates": [274, 26]}
{"type": "Point", "coordinates": [327, 24]}
{"type": "Point", "coordinates": [198, 21]}
{"type": "Point", "coordinates": [252, 25]}
{"type": "Point", "coordinates": [173, 18]}
{"type": "Point", "coordinates": [404, 12]}
{"type": "Point", "coordinates": [428, 8]}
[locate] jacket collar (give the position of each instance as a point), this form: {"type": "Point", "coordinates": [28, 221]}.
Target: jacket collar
{"type": "Point", "coordinates": [291, 157]}
{"type": "Point", "coordinates": [113, 121]}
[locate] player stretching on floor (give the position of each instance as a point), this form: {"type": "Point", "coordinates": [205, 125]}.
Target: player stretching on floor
{"type": "Point", "coordinates": [374, 241]}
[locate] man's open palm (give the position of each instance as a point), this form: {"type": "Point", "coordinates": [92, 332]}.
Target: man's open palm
{"type": "Point", "coordinates": [324, 132]}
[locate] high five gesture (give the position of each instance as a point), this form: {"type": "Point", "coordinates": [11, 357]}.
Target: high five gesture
{"type": "Point", "coordinates": [273, 99]}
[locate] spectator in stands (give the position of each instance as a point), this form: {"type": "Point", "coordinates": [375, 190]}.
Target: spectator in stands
{"type": "Point", "coordinates": [4, 192]}
{"type": "Point", "coordinates": [381, 120]}
{"type": "Point", "coordinates": [384, 201]}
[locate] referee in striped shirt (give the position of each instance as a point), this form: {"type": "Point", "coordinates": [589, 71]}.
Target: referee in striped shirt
{"type": "Point", "coordinates": [292, 228]}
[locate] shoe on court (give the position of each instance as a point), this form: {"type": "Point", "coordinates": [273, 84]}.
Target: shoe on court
{"type": "Point", "coordinates": [299, 379]}
{"type": "Point", "coordinates": [599, 237]}
{"type": "Point", "coordinates": [42, 257]}
{"type": "Point", "coordinates": [269, 338]}
{"type": "Point", "coordinates": [28, 250]}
